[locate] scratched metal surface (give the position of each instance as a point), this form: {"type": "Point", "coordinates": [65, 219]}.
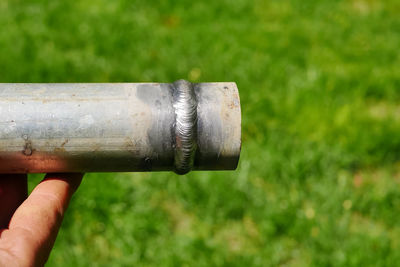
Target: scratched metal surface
{"type": "Point", "coordinates": [112, 127]}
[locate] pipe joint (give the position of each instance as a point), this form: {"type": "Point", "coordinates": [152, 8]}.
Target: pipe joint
{"type": "Point", "coordinates": [185, 105]}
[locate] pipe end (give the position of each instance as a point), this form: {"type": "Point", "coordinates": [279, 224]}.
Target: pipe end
{"type": "Point", "coordinates": [218, 126]}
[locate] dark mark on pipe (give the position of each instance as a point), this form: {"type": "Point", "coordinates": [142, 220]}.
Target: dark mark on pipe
{"type": "Point", "coordinates": [28, 146]}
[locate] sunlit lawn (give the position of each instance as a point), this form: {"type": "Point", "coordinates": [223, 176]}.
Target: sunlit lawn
{"type": "Point", "coordinates": [319, 175]}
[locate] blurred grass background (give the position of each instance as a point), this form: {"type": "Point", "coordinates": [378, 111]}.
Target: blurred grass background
{"type": "Point", "coordinates": [318, 180]}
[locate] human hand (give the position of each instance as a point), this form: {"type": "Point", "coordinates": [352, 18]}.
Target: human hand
{"type": "Point", "coordinates": [29, 225]}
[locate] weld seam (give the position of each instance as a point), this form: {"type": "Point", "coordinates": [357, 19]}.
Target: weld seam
{"type": "Point", "coordinates": [185, 105]}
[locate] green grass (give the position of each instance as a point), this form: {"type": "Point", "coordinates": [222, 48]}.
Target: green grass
{"type": "Point", "coordinates": [318, 181]}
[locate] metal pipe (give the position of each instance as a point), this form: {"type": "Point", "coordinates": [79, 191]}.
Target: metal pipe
{"type": "Point", "coordinates": [95, 127]}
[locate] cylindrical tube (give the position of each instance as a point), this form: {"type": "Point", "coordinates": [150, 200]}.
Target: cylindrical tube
{"type": "Point", "coordinates": [107, 127]}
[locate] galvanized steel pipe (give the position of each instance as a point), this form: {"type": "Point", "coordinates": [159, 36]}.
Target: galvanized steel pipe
{"type": "Point", "coordinates": [104, 127]}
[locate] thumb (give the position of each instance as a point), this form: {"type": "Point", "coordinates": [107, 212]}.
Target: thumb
{"type": "Point", "coordinates": [13, 191]}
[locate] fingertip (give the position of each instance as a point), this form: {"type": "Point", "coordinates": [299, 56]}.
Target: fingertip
{"type": "Point", "coordinates": [39, 217]}
{"type": "Point", "coordinates": [72, 179]}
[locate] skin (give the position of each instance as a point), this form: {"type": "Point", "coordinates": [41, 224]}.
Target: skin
{"type": "Point", "coordinates": [29, 225]}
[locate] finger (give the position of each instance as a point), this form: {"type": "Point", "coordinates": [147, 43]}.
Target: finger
{"type": "Point", "coordinates": [33, 228]}
{"type": "Point", "coordinates": [13, 191]}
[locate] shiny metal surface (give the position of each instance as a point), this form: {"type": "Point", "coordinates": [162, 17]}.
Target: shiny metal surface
{"type": "Point", "coordinates": [185, 105]}
{"type": "Point", "coordinates": [118, 127]}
